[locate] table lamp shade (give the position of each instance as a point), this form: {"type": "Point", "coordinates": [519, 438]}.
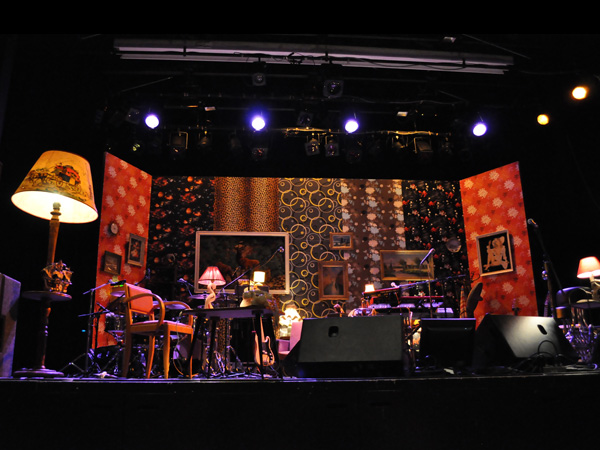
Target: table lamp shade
{"type": "Point", "coordinates": [58, 177]}
{"type": "Point", "coordinates": [258, 276]}
{"type": "Point", "coordinates": [588, 267]}
{"type": "Point", "coordinates": [212, 275]}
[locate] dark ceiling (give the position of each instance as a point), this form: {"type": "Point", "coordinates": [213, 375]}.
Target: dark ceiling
{"type": "Point", "coordinates": [442, 97]}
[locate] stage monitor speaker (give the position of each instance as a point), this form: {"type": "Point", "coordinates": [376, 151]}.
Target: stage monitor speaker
{"type": "Point", "coordinates": [446, 342]}
{"type": "Point", "coordinates": [346, 347]}
{"type": "Point", "coordinates": [505, 340]}
{"type": "Point", "coordinates": [10, 290]}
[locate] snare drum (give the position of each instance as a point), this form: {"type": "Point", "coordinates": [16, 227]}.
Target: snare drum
{"type": "Point", "coordinates": [114, 323]}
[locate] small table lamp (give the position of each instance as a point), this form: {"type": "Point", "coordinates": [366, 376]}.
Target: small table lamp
{"type": "Point", "coordinates": [211, 278]}
{"type": "Point", "coordinates": [589, 267]}
{"type": "Point", "coordinates": [58, 187]}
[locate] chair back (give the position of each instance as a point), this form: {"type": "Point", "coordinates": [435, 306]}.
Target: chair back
{"type": "Point", "coordinates": [140, 305]}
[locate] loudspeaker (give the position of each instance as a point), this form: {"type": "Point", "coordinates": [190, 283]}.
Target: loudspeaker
{"type": "Point", "coordinates": [345, 347]}
{"type": "Point", "coordinates": [10, 290]}
{"type": "Point", "coordinates": [504, 340]}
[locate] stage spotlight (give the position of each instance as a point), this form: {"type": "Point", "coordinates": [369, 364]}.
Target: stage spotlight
{"type": "Point", "coordinates": [543, 119]}
{"type": "Point", "coordinates": [259, 153]}
{"type": "Point", "coordinates": [312, 147]}
{"type": "Point", "coordinates": [133, 116]}
{"type": "Point", "coordinates": [479, 129]}
{"type": "Point", "coordinates": [305, 119]}
{"type": "Point", "coordinates": [259, 77]}
{"type": "Point", "coordinates": [151, 120]}
{"type": "Point", "coordinates": [351, 124]}
{"type": "Point", "coordinates": [354, 152]}
{"type": "Point", "coordinates": [579, 92]}
{"type": "Point", "coordinates": [258, 122]}
{"type": "Point", "coordinates": [204, 140]}
{"type": "Point", "coordinates": [333, 88]}
{"type": "Point", "coordinates": [332, 147]}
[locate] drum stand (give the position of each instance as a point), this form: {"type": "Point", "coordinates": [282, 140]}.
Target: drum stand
{"type": "Point", "coordinates": [90, 366]}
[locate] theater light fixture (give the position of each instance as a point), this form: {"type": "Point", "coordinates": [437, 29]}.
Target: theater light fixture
{"type": "Point", "coordinates": [332, 148]}
{"type": "Point", "coordinates": [479, 128]}
{"type": "Point", "coordinates": [333, 88]}
{"type": "Point", "coordinates": [579, 92]}
{"type": "Point", "coordinates": [152, 121]}
{"type": "Point", "coordinates": [351, 124]}
{"type": "Point", "coordinates": [258, 122]}
{"type": "Point", "coordinates": [312, 147]}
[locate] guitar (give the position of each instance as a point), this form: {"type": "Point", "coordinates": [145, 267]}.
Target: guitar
{"type": "Point", "coordinates": [263, 355]}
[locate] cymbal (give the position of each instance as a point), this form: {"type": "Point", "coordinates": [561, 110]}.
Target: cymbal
{"type": "Point", "coordinates": [198, 297]}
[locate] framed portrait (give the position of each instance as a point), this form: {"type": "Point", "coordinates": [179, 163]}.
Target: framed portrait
{"type": "Point", "coordinates": [111, 263]}
{"type": "Point", "coordinates": [136, 250]}
{"type": "Point", "coordinates": [408, 265]}
{"type": "Point", "coordinates": [238, 254]}
{"type": "Point", "coordinates": [340, 241]}
{"type": "Point", "coordinates": [494, 252]}
{"type": "Point", "coordinates": [333, 280]}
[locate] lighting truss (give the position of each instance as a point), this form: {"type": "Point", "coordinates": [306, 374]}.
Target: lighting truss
{"type": "Point", "coordinates": [283, 53]}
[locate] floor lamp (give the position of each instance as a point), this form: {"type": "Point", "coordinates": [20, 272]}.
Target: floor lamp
{"type": "Point", "coordinates": [57, 188]}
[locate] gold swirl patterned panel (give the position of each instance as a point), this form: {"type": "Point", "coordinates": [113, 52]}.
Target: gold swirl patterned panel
{"type": "Point", "coordinates": [309, 209]}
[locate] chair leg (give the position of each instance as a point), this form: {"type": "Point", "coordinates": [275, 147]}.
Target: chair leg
{"type": "Point", "coordinates": [166, 354]}
{"type": "Point", "coordinates": [126, 357]}
{"type": "Point", "coordinates": [150, 358]}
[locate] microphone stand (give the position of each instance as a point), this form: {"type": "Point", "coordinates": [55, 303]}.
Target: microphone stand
{"type": "Point", "coordinates": [549, 269]}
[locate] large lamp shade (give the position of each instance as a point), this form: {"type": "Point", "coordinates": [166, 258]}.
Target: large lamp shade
{"type": "Point", "coordinates": [58, 177]}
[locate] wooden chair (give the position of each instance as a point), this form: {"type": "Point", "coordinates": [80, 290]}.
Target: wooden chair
{"type": "Point", "coordinates": [142, 304]}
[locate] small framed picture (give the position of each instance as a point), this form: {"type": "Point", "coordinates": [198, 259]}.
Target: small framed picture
{"type": "Point", "coordinates": [340, 241]}
{"type": "Point", "coordinates": [494, 252]}
{"type": "Point", "coordinates": [111, 263]}
{"type": "Point", "coordinates": [333, 280]}
{"type": "Point", "coordinates": [135, 250]}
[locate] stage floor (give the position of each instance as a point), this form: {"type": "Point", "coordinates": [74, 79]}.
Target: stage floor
{"type": "Point", "coordinates": [438, 410]}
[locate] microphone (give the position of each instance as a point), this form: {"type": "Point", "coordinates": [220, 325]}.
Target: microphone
{"type": "Point", "coordinates": [427, 256]}
{"type": "Point", "coordinates": [117, 283]}
{"type": "Point", "coordinates": [532, 223]}
{"type": "Point", "coordinates": [182, 281]}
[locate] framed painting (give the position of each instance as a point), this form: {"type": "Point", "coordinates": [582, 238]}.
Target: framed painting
{"type": "Point", "coordinates": [340, 241]}
{"type": "Point", "coordinates": [494, 252]}
{"type": "Point", "coordinates": [239, 254]}
{"type": "Point", "coordinates": [111, 263]}
{"type": "Point", "coordinates": [333, 280]}
{"type": "Point", "coordinates": [408, 265]}
{"type": "Point", "coordinates": [135, 250]}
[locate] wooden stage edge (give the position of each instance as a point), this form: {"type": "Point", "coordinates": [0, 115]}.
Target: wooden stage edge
{"type": "Point", "coordinates": [553, 408]}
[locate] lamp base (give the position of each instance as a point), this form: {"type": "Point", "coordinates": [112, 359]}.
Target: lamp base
{"type": "Point", "coordinates": [37, 373]}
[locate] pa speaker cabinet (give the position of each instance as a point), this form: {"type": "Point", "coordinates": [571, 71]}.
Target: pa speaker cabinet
{"type": "Point", "coordinates": [10, 291]}
{"type": "Point", "coordinates": [505, 340]}
{"type": "Point", "coordinates": [341, 347]}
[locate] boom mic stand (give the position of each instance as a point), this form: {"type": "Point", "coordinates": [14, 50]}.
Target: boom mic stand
{"type": "Point", "coordinates": [89, 355]}
{"type": "Point", "coordinates": [548, 269]}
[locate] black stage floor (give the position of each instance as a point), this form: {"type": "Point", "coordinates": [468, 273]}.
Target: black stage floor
{"type": "Point", "coordinates": [553, 408]}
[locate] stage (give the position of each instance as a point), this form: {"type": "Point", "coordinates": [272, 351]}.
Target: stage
{"type": "Point", "coordinates": [554, 408]}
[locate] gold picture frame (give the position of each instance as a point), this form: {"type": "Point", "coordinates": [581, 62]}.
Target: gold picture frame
{"type": "Point", "coordinates": [333, 280]}
{"type": "Point", "coordinates": [406, 265]}
{"type": "Point", "coordinates": [341, 241]}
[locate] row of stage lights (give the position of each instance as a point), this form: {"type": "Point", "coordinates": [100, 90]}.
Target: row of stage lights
{"type": "Point", "coordinates": [313, 145]}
